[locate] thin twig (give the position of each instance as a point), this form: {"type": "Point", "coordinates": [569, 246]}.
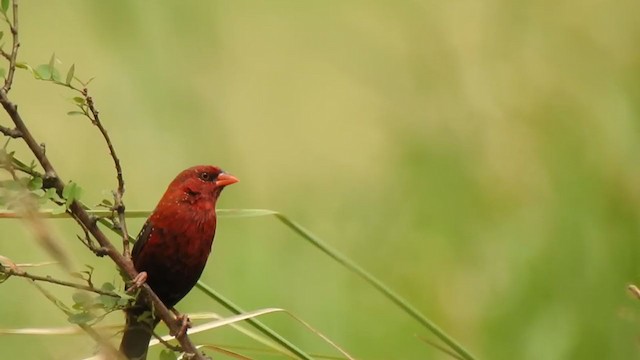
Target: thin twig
{"type": "Point", "coordinates": [13, 133]}
{"type": "Point", "coordinates": [166, 343]}
{"type": "Point", "coordinates": [14, 49]}
{"type": "Point", "coordinates": [5, 54]}
{"type": "Point", "coordinates": [20, 273]}
{"type": "Point", "coordinates": [87, 240]}
{"type": "Point", "coordinates": [119, 193]}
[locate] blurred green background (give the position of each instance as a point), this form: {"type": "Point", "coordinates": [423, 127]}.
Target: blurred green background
{"type": "Point", "coordinates": [481, 158]}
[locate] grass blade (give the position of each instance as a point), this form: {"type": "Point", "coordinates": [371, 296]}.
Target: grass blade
{"type": "Point", "coordinates": [254, 322]}
{"type": "Point", "coordinates": [251, 316]}
{"type": "Point", "coordinates": [386, 291]}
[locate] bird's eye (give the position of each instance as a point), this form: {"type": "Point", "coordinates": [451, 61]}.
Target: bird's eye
{"type": "Point", "coordinates": [206, 176]}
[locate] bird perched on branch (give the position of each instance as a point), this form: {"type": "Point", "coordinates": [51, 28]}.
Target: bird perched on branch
{"type": "Point", "coordinates": [172, 248]}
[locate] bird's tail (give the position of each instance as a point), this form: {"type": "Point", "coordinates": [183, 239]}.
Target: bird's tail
{"type": "Point", "coordinates": [137, 333]}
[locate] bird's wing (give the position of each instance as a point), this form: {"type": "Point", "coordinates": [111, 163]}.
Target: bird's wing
{"type": "Point", "coordinates": [142, 239]}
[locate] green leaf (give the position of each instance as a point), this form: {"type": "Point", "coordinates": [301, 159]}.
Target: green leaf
{"type": "Point", "coordinates": [82, 298]}
{"type": "Point", "coordinates": [51, 194]}
{"type": "Point", "coordinates": [55, 74]}
{"type": "Point", "coordinates": [4, 6]}
{"type": "Point", "coordinates": [52, 62]}
{"type": "Point", "coordinates": [80, 318]}
{"type": "Point", "coordinates": [107, 287]}
{"type": "Point", "coordinates": [109, 302]}
{"type": "Point", "coordinates": [43, 72]}
{"type": "Point", "coordinates": [1, 34]}
{"type": "Point", "coordinates": [75, 113]}
{"type": "Point", "coordinates": [70, 73]}
{"type": "Point", "coordinates": [35, 183]}
{"type": "Point", "coordinates": [24, 65]}
{"type": "Point", "coordinates": [71, 192]}
{"type": "Point", "coordinates": [79, 100]}
{"type": "Point", "coordinates": [106, 203]}
{"type": "Point", "coordinates": [58, 210]}
{"type": "Point", "coordinates": [167, 354]}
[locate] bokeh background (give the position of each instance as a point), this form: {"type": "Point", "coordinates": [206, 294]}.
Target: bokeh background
{"type": "Point", "coordinates": [481, 158]}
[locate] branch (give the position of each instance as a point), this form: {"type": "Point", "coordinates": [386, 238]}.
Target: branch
{"type": "Point", "coordinates": [13, 133]}
{"type": "Point", "coordinates": [14, 49]}
{"type": "Point", "coordinates": [117, 196]}
{"type": "Point", "coordinates": [21, 273]}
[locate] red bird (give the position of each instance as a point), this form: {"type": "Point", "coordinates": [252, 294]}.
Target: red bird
{"type": "Point", "coordinates": [173, 246]}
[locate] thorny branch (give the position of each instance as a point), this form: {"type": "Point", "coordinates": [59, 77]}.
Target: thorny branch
{"type": "Point", "coordinates": [118, 206]}
{"type": "Point", "coordinates": [13, 133]}
{"type": "Point", "coordinates": [13, 25]}
{"type": "Point", "coordinates": [12, 270]}
{"type": "Point", "coordinates": [52, 180]}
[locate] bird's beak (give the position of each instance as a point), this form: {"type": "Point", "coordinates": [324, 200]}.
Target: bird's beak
{"type": "Point", "coordinates": [225, 179]}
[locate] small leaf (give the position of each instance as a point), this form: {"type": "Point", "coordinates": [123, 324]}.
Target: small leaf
{"type": "Point", "coordinates": [80, 318]}
{"type": "Point", "coordinates": [109, 302]}
{"type": "Point", "coordinates": [70, 73]}
{"type": "Point", "coordinates": [167, 354]}
{"type": "Point", "coordinates": [42, 72]}
{"type": "Point", "coordinates": [1, 34]}
{"type": "Point", "coordinates": [24, 65]}
{"type": "Point", "coordinates": [82, 298]}
{"type": "Point", "coordinates": [106, 203]}
{"type": "Point", "coordinates": [107, 287]}
{"type": "Point", "coordinates": [75, 113]}
{"type": "Point", "coordinates": [5, 6]}
{"type": "Point", "coordinates": [79, 100]}
{"type": "Point", "coordinates": [55, 76]}
{"type": "Point", "coordinates": [58, 210]}
{"type": "Point", "coordinates": [71, 192]}
{"type": "Point", "coordinates": [52, 62]}
{"type": "Point", "coordinates": [68, 190]}
{"type": "Point", "coordinates": [35, 183]}
{"type": "Point", "coordinates": [51, 194]}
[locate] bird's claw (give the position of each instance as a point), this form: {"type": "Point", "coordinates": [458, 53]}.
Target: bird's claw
{"type": "Point", "coordinates": [138, 281]}
{"type": "Point", "coordinates": [185, 323]}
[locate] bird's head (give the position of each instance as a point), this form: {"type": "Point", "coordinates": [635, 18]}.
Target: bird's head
{"type": "Point", "coordinates": [200, 185]}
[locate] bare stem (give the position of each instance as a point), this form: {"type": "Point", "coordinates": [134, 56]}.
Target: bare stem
{"type": "Point", "coordinates": [10, 132]}
{"type": "Point", "coordinates": [119, 193]}
{"type": "Point", "coordinates": [49, 279]}
{"type": "Point", "coordinates": [13, 25]}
